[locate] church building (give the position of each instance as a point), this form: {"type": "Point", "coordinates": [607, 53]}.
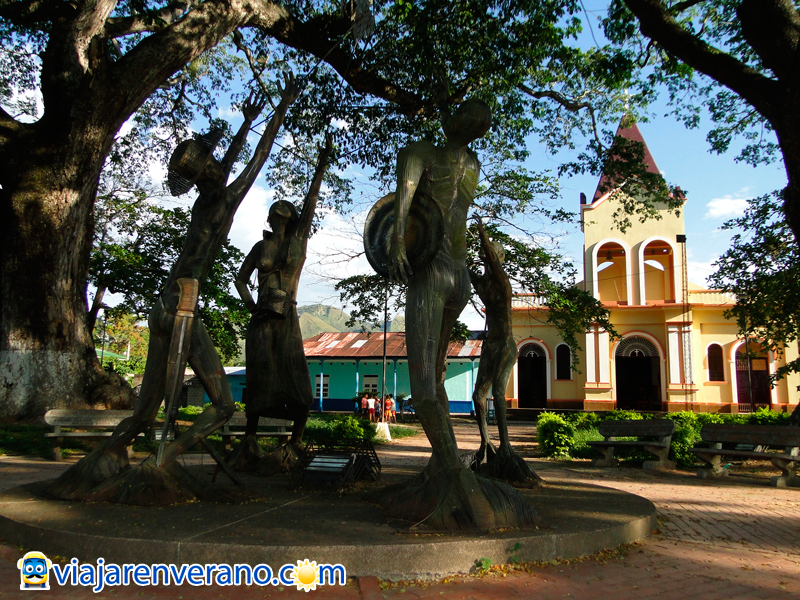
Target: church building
{"type": "Point", "coordinates": [677, 351]}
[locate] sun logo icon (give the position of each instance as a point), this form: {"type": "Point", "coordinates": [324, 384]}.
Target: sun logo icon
{"type": "Point", "coordinates": [306, 575]}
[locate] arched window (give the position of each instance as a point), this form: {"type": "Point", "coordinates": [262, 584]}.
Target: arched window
{"type": "Point", "coordinates": [716, 366]}
{"type": "Point", "coordinates": [563, 360]}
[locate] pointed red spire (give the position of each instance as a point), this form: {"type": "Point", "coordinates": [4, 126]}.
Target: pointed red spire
{"type": "Point", "coordinates": [629, 130]}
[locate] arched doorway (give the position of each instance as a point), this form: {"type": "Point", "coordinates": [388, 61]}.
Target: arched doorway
{"type": "Point", "coordinates": [752, 378]}
{"type": "Point", "coordinates": [532, 376]}
{"type": "Point", "coordinates": [638, 371]}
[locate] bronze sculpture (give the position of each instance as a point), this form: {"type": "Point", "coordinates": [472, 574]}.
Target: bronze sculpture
{"type": "Point", "coordinates": [498, 355]}
{"type": "Point", "coordinates": [104, 474]}
{"type": "Point", "coordinates": [447, 495]}
{"type": "Point", "coordinates": [278, 384]}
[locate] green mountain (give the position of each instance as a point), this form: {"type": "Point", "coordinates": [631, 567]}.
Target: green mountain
{"type": "Point", "coordinates": [320, 318]}
{"type": "Point", "coordinates": [311, 325]}
{"type": "Point", "coordinates": [320, 313]}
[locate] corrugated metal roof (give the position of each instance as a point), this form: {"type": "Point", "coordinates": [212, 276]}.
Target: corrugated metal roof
{"type": "Point", "coordinates": [370, 345]}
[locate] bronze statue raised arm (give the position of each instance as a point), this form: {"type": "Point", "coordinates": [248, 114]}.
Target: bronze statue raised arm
{"type": "Point", "coordinates": [447, 495]}
{"type": "Point", "coordinates": [192, 164]}
{"type": "Point", "coordinates": [278, 384]}
{"type": "Point", "coordinates": [498, 355]}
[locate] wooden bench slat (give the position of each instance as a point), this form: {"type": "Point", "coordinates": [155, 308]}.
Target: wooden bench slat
{"type": "Point", "coordinates": [754, 435]}
{"type": "Point", "coordinates": [629, 443]}
{"type": "Point", "coordinates": [745, 454]}
{"type": "Point", "coordinates": [643, 428]}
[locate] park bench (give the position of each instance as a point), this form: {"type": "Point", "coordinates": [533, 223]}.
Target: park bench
{"type": "Point", "coordinates": [91, 423]}
{"type": "Point", "coordinates": [653, 436]}
{"type": "Point", "coordinates": [751, 442]}
{"type": "Point", "coordinates": [267, 427]}
{"type": "Point", "coordinates": [337, 461]}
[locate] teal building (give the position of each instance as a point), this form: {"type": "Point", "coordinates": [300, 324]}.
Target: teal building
{"type": "Point", "coordinates": [343, 364]}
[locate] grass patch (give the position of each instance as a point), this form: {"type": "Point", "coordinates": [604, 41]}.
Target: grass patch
{"type": "Point", "coordinates": [25, 439]}
{"type": "Point", "coordinates": [399, 431]}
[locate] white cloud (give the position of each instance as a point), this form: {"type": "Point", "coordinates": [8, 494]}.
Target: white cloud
{"type": "Point", "coordinates": [699, 272]}
{"type": "Point", "coordinates": [725, 208]}
{"type": "Point", "coordinates": [251, 218]}
{"type": "Point", "coordinates": [228, 113]}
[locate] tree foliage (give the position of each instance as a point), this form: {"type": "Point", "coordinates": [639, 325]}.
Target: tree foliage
{"type": "Point", "coordinates": [136, 242]}
{"type": "Point", "coordinates": [160, 65]}
{"type": "Point", "coordinates": [531, 268]}
{"type": "Point", "coordinates": [762, 267]}
{"type": "Point", "coordinates": [735, 58]}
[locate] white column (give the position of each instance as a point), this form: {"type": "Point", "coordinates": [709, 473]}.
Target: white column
{"type": "Point", "coordinates": [688, 376]}
{"type": "Point", "coordinates": [674, 341]}
{"type": "Point", "coordinates": [591, 375]}
{"type": "Point", "coordinates": [773, 392]}
{"type": "Point", "coordinates": [515, 378]}
{"type": "Point", "coordinates": [602, 353]}
{"type": "Point", "coordinates": [548, 378]}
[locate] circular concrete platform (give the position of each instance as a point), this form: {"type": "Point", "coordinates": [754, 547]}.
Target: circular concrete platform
{"type": "Point", "coordinates": [290, 525]}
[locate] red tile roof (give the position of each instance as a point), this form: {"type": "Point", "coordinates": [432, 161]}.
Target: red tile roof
{"type": "Point", "coordinates": [370, 345]}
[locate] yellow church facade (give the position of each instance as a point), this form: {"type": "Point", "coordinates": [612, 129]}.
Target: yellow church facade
{"type": "Point", "coordinates": [676, 350]}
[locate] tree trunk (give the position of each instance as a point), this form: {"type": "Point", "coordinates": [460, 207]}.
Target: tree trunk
{"type": "Point", "coordinates": [47, 356]}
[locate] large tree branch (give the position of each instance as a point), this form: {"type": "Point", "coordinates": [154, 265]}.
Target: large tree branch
{"type": "Point", "coordinates": [30, 12]}
{"type": "Point", "coordinates": [772, 28]}
{"type": "Point", "coordinates": [682, 6]}
{"type": "Point", "coordinates": [122, 26]}
{"type": "Point", "coordinates": [657, 23]}
{"type": "Point", "coordinates": [321, 37]}
{"type": "Point", "coordinates": [156, 58]}
{"type": "Point", "coordinates": [88, 22]}
{"type": "Point", "coordinates": [570, 105]}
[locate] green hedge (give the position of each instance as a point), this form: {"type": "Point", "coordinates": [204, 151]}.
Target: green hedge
{"type": "Point", "coordinates": [565, 436]}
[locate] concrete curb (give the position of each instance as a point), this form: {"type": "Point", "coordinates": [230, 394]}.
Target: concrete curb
{"type": "Point", "coordinates": [628, 518]}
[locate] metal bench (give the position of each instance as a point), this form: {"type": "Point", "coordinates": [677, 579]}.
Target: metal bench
{"type": "Point", "coordinates": [658, 434]}
{"type": "Point", "coordinates": [91, 423]}
{"type": "Point", "coordinates": [268, 427]}
{"type": "Point", "coordinates": [751, 442]}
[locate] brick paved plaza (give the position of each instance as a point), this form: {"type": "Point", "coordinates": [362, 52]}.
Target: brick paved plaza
{"type": "Point", "coordinates": [726, 540]}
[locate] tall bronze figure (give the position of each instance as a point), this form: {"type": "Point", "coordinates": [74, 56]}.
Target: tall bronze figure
{"type": "Point", "coordinates": [498, 355]}
{"type": "Point", "coordinates": [103, 474]}
{"type": "Point", "coordinates": [447, 495]}
{"type": "Point", "coordinates": [277, 373]}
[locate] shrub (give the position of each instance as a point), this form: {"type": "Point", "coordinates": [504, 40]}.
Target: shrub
{"type": "Point", "coordinates": [583, 420]}
{"type": "Point", "coordinates": [623, 415]}
{"type": "Point", "coordinates": [345, 426]}
{"type": "Point", "coordinates": [686, 436]}
{"type": "Point", "coordinates": [565, 437]}
{"type": "Point", "coordinates": [189, 413]}
{"type": "Point", "coordinates": [555, 435]}
{"type": "Point", "coordinates": [580, 448]}
{"type": "Point", "coordinates": [764, 416]}
{"type": "Point", "coordinates": [352, 428]}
